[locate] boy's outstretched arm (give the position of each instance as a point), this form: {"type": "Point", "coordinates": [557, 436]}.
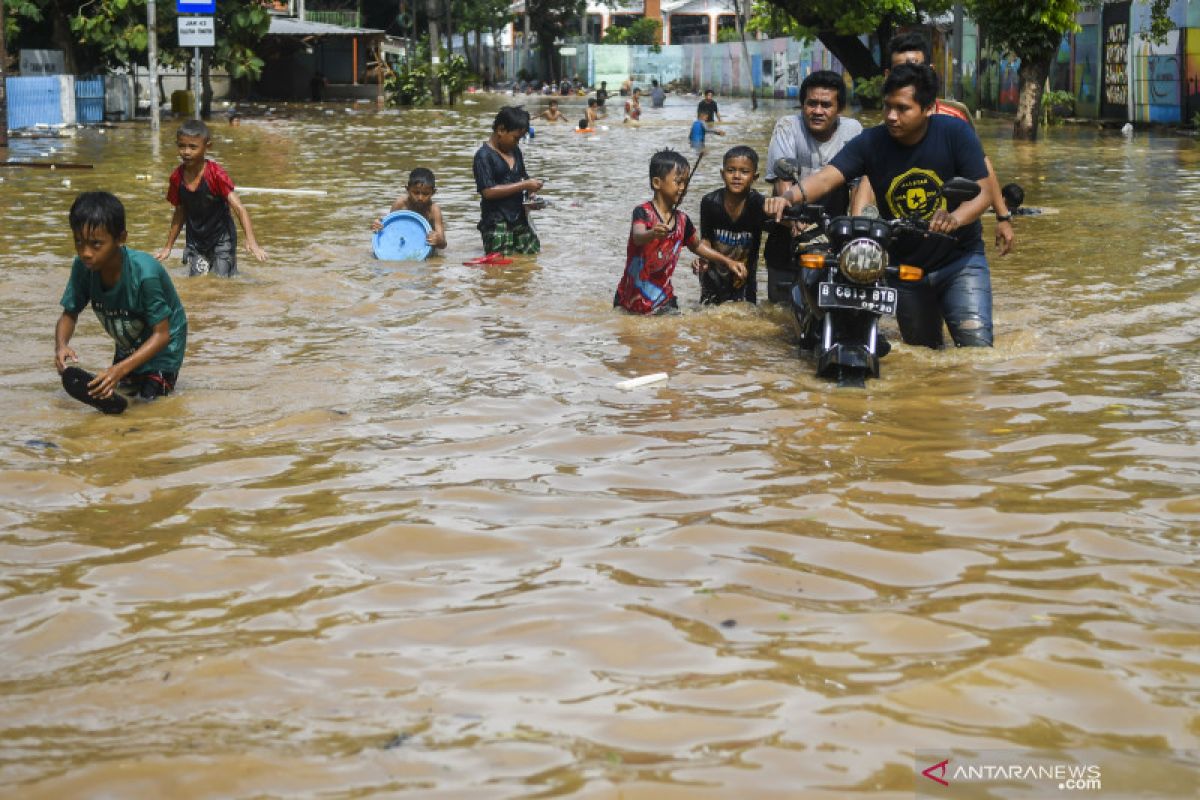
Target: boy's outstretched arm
{"type": "Point", "coordinates": [639, 234]}
{"type": "Point", "coordinates": [243, 216]}
{"type": "Point", "coordinates": [172, 234]}
{"type": "Point", "coordinates": [701, 248]}
{"type": "Point", "coordinates": [63, 332]}
{"type": "Point", "coordinates": [104, 384]}
{"type": "Point", "coordinates": [504, 190]}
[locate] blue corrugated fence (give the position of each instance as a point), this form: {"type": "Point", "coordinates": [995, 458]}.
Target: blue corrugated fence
{"type": "Point", "coordinates": [89, 100]}
{"type": "Point", "coordinates": [33, 101]}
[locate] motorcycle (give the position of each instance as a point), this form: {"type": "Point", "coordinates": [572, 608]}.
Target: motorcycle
{"type": "Point", "coordinates": [841, 288]}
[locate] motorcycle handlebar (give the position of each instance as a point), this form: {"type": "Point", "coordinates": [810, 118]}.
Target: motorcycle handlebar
{"type": "Point", "coordinates": [804, 213]}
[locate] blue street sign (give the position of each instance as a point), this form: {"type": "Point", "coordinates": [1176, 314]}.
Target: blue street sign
{"type": "Point", "coordinates": [196, 6]}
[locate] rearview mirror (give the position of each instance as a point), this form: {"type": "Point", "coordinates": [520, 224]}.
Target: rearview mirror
{"type": "Point", "coordinates": [787, 169]}
{"type": "Point", "coordinates": [960, 190]}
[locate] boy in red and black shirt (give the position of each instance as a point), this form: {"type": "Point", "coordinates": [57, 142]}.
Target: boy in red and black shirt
{"type": "Point", "coordinates": [658, 232]}
{"type": "Point", "coordinates": [203, 195]}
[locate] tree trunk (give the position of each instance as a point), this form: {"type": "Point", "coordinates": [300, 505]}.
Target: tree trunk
{"type": "Point", "coordinates": [1033, 74]}
{"type": "Point", "coordinates": [855, 56]}
{"type": "Point", "coordinates": [62, 38]}
{"type": "Point", "coordinates": [479, 53]}
{"type": "Point", "coordinates": [741, 31]}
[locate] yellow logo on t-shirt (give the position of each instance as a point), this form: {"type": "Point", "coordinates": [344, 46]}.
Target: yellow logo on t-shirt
{"type": "Point", "coordinates": [913, 193]}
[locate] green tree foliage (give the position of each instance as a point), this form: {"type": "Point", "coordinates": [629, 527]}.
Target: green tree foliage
{"type": "Point", "coordinates": [112, 33]}
{"type": "Point", "coordinates": [642, 31]}
{"type": "Point", "coordinates": [838, 25]}
{"type": "Point", "coordinates": [1032, 31]}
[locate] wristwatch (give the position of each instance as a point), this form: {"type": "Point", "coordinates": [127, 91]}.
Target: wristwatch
{"type": "Point", "coordinates": [1004, 218]}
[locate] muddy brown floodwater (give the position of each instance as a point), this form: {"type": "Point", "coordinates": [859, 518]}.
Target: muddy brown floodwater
{"type": "Point", "coordinates": [398, 534]}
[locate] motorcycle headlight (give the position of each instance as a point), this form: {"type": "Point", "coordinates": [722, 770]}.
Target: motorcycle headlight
{"type": "Point", "coordinates": [863, 261]}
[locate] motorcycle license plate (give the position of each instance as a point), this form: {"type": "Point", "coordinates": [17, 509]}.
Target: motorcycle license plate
{"type": "Point", "coordinates": [879, 299]}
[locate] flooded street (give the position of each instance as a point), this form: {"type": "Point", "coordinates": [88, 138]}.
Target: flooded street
{"type": "Point", "coordinates": [399, 534]}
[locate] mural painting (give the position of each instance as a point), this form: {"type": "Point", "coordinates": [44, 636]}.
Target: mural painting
{"type": "Point", "coordinates": [1086, 55]}
{"type": "Point", "coordinates": [1115, 100]}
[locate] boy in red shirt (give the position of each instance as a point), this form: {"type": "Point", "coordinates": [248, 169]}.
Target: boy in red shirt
{"type": "Point", "coordinates": [658, 232]}
{"type": "Point", "coordinates": [203, 195]}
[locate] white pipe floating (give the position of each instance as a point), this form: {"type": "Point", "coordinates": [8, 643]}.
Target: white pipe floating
{"type": "Point", "coordinates": [642, 380]}
{"type": "Point", "coordinates": [262, 190]}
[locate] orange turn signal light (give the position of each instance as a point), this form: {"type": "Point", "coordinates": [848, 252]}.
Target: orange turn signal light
{"type": "Point", "coordinates": [910, 273]}
{"type": "Point", "coordinates": [812, 260]}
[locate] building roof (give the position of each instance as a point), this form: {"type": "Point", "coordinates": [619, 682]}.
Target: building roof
{"type": "Point", "coordinates": [290, 26]}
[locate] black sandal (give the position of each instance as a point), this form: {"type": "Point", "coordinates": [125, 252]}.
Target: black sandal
{"type": "Point", "coordinates": [76, 380]}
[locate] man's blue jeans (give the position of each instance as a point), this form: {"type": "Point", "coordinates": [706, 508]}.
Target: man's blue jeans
{"type": "Point", "coordinates": [960, 293]}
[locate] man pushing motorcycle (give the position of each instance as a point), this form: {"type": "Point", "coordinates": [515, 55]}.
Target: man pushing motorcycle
{"type": "Point", "coordinates": [907, 160]}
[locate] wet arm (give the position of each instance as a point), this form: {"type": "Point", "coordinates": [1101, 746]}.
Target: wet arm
{"type": "Point", "coordinates": [172, 234]}
{"type": "Point", "coordinates": [243, 216]}
{"type": "Point", "coordinates": [509, 189]}
{"type": "Point", "coordinates": [437, 237]}
{"type": "Point", "coordinates": [815, 186]}
{"type": "Point", "coordinates": [106, 382]}
{"type": "Point", "coordinates": [63, 332]}
{"type": "Point", "coordinates": [701, 248]}
{"type": "Point", "coordinates": [1004, 230]}
{"type": "Point", "coordinates": [949, 221]}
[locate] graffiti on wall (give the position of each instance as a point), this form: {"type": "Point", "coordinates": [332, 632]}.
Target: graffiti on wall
{"type": "Point", "coordinates": [1116, 60]}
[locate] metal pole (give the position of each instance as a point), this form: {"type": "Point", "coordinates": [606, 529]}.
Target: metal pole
{"type": "Point", "coordinates": [196, 83]}
{"type": "Point", "coordinates": [152, 62]}
{"type": "Point", "coordinates": [431, 13]}
{"type": "Point", "coordinates": [3, 79]}
{"type": "Point", "coordinates": [957, 63]}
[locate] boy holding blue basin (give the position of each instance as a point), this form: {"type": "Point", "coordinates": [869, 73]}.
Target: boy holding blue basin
{"type": "Point", "coordinates": [418, 198]}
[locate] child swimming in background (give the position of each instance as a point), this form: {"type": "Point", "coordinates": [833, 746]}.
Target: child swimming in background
{"type": "Point", "coordinates": [552, 114]}
{"type": "Point", "coordinates": [658, 231]}
{"type": "Point", "coordinates": [1014, 197]}
{"type": "Point", "coordinates": [419, 199]}
{"type": "Point", "coordinates": [633, 107]}
{"type": "Point", "coordinates": [583, 127]}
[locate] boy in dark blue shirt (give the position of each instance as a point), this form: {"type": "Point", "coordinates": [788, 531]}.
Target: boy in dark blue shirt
{"type": "Point", "coordinates": [699, 129]}
{"type": "Point", "coordinates": [505, 187]}
{"type": "Point", "coordinates": [907, 159]}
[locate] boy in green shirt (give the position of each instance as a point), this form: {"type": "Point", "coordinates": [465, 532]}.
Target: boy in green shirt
{"type": "Point", "coordinates": [135, 301]}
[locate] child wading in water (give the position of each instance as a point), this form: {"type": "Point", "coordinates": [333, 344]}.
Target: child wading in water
{"type": "Point", "coordinates": [658, 232]}
{"type": "Point", "coordinates": [203, 195]}
{"type": "Point", "coordinates": [731, 222]}
{"type": "Point", "coordinates": [419, 198]}
{"type": "Point", "coordinates": [505, 187]}
{"type": "Point", "coordinates": [700, 129]}
{"type": "Point", "coordinates": [552, 114]}
{"type": "Point", "coordinates": [135, 301]}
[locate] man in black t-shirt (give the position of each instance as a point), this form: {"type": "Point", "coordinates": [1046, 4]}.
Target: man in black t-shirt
{"type": "Point", "coordinates": [907, 159]}
{"type": "Point", "coordinates": [709, 106]}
